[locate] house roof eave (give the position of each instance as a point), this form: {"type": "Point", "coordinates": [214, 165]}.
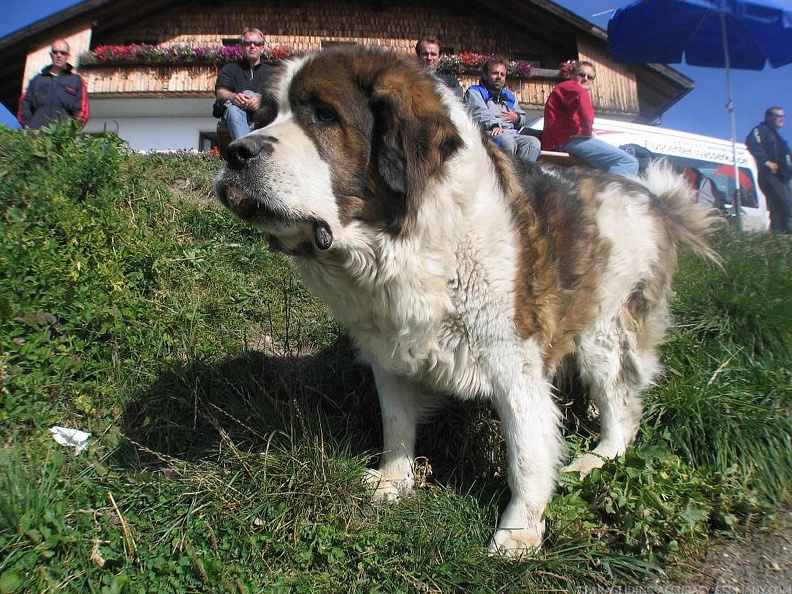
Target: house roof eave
{"type": "Point", "coordinates": [15, 47]}
{"type": "Point", "coordinates": [50, 22]}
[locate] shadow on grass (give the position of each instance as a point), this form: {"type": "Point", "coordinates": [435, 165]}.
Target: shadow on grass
{"type": "Point", "coordinates": [190, 410]}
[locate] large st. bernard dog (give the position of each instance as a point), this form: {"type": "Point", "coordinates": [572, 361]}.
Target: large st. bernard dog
{"type": "Point", "coordinates": [459, 271]}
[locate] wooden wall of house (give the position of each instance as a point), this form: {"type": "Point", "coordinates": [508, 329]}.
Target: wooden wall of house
{"type": "Point", "coordinates": [313, 24]}
{"type": "Point", "coordinates": [307, 24]}
{"type": "Point", "coordinates": [150, 80]}
{"type": "Point", "coordinates": [615, 90]}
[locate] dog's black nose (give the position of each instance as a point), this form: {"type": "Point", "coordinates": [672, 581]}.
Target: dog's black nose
{"type": "Point", "coordinates": [239, 152]}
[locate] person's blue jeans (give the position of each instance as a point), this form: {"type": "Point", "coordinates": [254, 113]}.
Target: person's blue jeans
{"type": "Point", "coordinates": [527, 148]}
{"type": "Point", "coordinates": [602, 155]}
{"type": "Point", "coordinates": [236, 118]}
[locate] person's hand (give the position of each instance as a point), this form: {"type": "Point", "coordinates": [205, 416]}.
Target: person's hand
{"type": "Point", "coordinates": [510, 116]}
{"type": "Point", "coordinates": [240, 100]}
{"type": "Point", "coordinates": [496, 131]}
{"type": "Point", "coordinates": [253, 102]}
{"type": "Point", "coordinates": [773, 166]}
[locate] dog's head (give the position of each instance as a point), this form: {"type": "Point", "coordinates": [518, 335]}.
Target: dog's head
{"type": "Point", "coordinates": [344, 137]}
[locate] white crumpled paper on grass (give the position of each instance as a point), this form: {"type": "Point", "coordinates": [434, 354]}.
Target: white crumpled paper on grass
{"type": "Point", "coordinates": [71, 437]}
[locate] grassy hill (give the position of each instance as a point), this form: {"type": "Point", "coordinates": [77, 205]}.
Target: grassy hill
{"type": "Point", "coordinates": [230, 424]}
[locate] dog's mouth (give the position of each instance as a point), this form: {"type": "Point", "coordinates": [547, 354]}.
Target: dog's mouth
{"type": "Point", "coordinates": [287, 233]}
{"type": "Point", "coordinates": [239, 202]}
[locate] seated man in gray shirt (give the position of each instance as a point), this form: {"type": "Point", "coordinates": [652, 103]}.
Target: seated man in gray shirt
{"type": "Point", "coordinates": [496, 110]}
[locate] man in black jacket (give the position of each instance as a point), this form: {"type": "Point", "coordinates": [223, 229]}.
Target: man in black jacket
{"type": "Point", "coordinates": [238, 85]}
{"type": "Point", "coordinates": [775, 168]}
{"type": "Point", "coordinates": [428, 51]}
{"type": "Point", "coordinates": [56, 93]}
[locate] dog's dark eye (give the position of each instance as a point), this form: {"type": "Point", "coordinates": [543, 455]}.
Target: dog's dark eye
{"type": "Point", "coordinates": [325, 114]}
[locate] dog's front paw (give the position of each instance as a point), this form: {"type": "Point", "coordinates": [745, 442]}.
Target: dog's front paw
{"type": "Point", "coordinates": [516, 543]}
{"type": "Point", "coordinates": [387, 489]}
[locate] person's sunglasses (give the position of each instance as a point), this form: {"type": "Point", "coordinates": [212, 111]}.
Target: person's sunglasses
{"type": "Point", "coordinates": [588, 76]}
{"type": "Point", "coordinates": [59, 53]}
{"type": "Point", "coordinates": [779, 116]}
{"type": "Point", "coordinates": [256, 43]}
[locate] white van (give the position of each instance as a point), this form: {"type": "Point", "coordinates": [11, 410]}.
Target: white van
{"type": "Point", "coordinates": [707, 162]}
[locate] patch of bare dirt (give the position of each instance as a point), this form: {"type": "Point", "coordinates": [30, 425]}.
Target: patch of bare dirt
{"type": "Point", "coordinates": [758, 562]}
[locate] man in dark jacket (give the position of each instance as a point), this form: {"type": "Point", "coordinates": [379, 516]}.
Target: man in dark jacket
{"type": "Point", "coordinates": [775, 168]}
{"type": "Point", "coordinates": [428, 51]}
{"type": "Point", "coordinates": [238, 85]}
{"type": "Point", "coordinates": [56, 93]}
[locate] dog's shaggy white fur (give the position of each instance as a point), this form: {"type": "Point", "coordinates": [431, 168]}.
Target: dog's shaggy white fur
{"type": "Point", "coordinates": [458, 271]}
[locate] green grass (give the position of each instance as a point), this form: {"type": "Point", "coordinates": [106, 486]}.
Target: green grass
{"type": "Point", "coordinates": [231, 423]}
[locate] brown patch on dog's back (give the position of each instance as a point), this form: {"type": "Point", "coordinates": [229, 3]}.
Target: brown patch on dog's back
{"type": "Point", "coordinates": [562, 255]}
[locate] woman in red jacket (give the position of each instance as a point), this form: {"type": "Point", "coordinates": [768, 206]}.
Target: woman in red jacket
{"type": "Point", "coordinates": [569, 121]}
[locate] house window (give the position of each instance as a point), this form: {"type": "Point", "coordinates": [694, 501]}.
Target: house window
{"type": "Point", "coordinates": [208, 141]}
{"type": "Point", "coordinates": [531, 59]}
{"type": "Point", "coordinates": [327, 44]}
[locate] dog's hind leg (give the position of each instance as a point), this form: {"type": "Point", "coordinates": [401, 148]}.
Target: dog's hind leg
{"type": "Point", "coordinates": [402, 404]}
{"type": "Point", "coordinates": [616, 362]}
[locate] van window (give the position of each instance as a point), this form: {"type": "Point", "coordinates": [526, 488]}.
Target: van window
{"type": "Point", "coordinates": [718, 180]}
{"type": "Point", "coordinates": [713, 183]}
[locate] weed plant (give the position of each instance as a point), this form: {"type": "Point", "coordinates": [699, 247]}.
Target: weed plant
{"type": "Point", "coordinates": [231, 423]}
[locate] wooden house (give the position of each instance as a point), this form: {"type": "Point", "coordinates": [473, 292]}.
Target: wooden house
{"type": "Point", "coordinates": [166, 103]}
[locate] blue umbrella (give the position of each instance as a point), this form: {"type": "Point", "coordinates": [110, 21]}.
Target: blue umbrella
{"type": "Point", "coordinates": [743, 34]}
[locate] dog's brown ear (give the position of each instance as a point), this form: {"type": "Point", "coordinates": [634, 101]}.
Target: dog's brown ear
{"type": "Point", "coordinates": [413, 137]}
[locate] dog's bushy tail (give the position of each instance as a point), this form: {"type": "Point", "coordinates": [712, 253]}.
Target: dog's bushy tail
{"type": "Point", "coordinates": [689, 225]}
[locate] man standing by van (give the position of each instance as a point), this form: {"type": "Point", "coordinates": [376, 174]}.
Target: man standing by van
{"type": "Point", "coordinates": [775, 168]}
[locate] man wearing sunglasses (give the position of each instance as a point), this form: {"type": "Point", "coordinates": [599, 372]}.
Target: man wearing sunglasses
{"type": "Point", "coordinates": [239, 83]}
{"type": "Point", "coordinates": [569, 125]}
{"type": "Point", "coordinates": [775, 169]}
{"type": "Point", "coordinates": [56, 93]}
